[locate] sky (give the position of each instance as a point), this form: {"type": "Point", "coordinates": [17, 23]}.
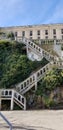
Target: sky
{"type": "Point", "coordinates": [30, 12]}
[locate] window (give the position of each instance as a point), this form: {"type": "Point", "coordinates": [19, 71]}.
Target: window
{"type": "Point", "coordinates": [54, 31]}
{"type": "Point", "coordinates": [38, 38]}
{"type": "Point", "coordinates": [46, 37]}
{"type": "Point", "coordinates": [15, 34]}
{"type": "Point", "coordinates": [54, 37]}
{"type": "Point", "coordinates": [38, 32]}
{"type": "Point", "coordinates": [46, 32]}
{"type": "Point", "coordinates": [61, 31]}
{"type": "Point", "coordinates": [30, 38]}
{"type": "Point", "coordinates": [23, 33]}
{"type": "Point", "coordinates": [62, 37]}
{"type": "Point", "coordinates": [31, 33]}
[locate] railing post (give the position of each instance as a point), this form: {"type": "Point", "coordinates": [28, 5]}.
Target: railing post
{"type": "Point", "coordinates": [15, 38]}
{"type": "Point", "coordinates": [35, 81]}
{"type": "Point", "coordinates": [0, 99]}
{"type": "Point", "coordinates": [24, 103]}
{"type": "Point", "coordinates": [12, 103]}
{"type": "Point", "coordinates": [27, 47]}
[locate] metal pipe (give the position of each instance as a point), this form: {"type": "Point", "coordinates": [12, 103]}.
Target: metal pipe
{"type": "Point", "coordinates": [5, 119]}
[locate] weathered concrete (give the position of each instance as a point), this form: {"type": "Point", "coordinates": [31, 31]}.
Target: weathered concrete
{"type": "Point", "coordinates": [33, 120]}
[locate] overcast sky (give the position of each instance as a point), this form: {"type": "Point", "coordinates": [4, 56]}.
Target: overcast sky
{"type": "Point", "coordinates": [29, 12]}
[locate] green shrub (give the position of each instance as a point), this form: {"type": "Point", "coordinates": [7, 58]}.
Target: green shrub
{"type": "Point", "coordinates": [14, 65]}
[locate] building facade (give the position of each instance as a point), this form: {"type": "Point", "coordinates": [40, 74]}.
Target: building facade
{"type": "Point", "coordinates": [34, 32]}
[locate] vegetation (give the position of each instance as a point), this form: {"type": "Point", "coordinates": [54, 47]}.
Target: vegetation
{"type": "Point", "coordinates": [15, 67]}
{"type": "Point", "coordinates": [14, 64]}
{"type": "Point", "coordinates": [11, 35]}
{"type": "Point", "coordinates": [50, 82]}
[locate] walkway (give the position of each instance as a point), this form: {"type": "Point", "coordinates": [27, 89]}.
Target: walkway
{"type": "Point", "coordinates": [34, 120]}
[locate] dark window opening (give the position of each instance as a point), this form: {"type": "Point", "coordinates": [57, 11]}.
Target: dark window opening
{"type": "Point", "coordinates": [31, 33]}
{"type": "Point", "coordinates": [54, 37]}
{"type": "Point", "coordinates": [61, 31]}
{"type": "Point", "coordinates": [62, 37]}
{"type": "Point", "coordinates": [46, 37]}
{"type": "Point", "coordinates": [15, 34]}
{"type": "Point", "coordinates": [46, 32]}
{"type": "Point", "coordinates": [38, 38]}
{"type": "Point", "coordinates": [54, 31]}
{"type": "Point", "coordinates": [23, 33]}
{"type": "Point", "coordinates": [30, 38]}
{"type": "Point", "coordinates": [38, 32]}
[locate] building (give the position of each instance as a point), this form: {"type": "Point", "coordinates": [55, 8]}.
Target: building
{"type": "Point", "coordinates": [37, 32]}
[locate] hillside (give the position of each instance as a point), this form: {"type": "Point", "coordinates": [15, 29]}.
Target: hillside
{"type": "Point", "coordinates": [14, 64]}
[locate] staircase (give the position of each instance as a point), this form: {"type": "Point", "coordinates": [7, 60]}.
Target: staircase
{"type": "Point", "coordinates": [38, 52]}
{"type": "Point", "coordinates": [14, 96]}
{"type": "Point", "coordinates": [27, 84]}
{"type": "Point", "coordinates": [32, 80]}
{"type": "Point", "coordinates": [34, 52]}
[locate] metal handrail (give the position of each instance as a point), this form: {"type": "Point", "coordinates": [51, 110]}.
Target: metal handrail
{"type": "Point", "coordinates": [5, 119]}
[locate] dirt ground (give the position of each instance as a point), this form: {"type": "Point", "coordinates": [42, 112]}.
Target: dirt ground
{"type": "Point", "coordinates": [33, 120]}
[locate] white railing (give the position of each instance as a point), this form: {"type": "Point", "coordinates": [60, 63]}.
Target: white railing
{"type": "Point", "coordinates": [32, 46]}
{"type": "Point", "coordinates": [6, 93]}
{"type": "Point", "coordinates": [31, 81]}
{"type": "Point", "coordinates": [36, 49]}
{"type": "Point", "coordinates": [35, 77]}
{"type": "Point", "coordinates": [58, 64]}
{"type": "Point", "coordinates": [18, 98]}
{"type": "Point", "coordinates": [27, 84]}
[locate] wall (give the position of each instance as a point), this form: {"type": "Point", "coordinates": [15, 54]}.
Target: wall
{"type": "Point", "coordinates": [35, 28]}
